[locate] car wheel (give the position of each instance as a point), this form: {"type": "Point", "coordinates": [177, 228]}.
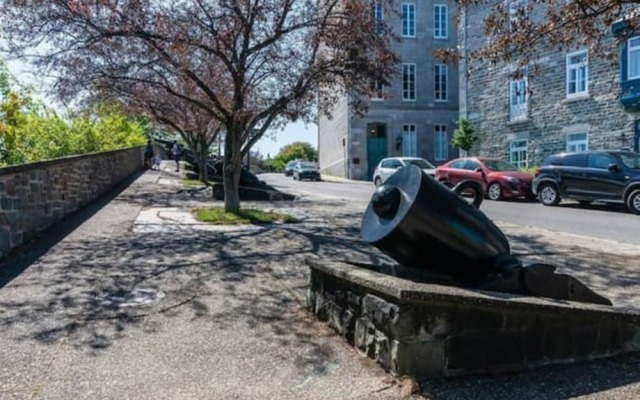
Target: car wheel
{"type": "Point", "coordinates": [633, 201]}
{"type": "Point", "coordinates": [494, 191]}
{"type": "Point", "coordinates": [377, 181]}
{"type": "Point", "coordinates": [549, 195]}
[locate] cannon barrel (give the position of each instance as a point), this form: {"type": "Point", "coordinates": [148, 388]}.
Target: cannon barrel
{"type": "Point", "coordinates": [422, 224]}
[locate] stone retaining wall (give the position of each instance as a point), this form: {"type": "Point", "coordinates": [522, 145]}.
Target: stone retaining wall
{"type": "Point", "coordinates": [34, 197]}
{"type": "Point", "coordinates": [424, 330]}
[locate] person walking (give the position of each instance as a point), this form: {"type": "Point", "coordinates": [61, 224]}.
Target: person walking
{"type": "Point", "coordinates": [176, 151]}
{"type": "Point", "coordinates": [148, 155]}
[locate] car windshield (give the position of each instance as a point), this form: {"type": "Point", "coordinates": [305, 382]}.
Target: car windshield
{"type": "Point", "coordinates": [631, 160]}
{"type": "Point", "coordinates": [306, 165]}
{"type": "Point", "coordinates": [291, 163]}
{"type": "Point", "coordinates": [420, 163]}
{"type": "Point", "coordinates": [499, 165]}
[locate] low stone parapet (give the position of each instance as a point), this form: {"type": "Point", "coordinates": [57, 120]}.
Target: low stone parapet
{"type": "Point", "coordinates": [421, 330]}
{"type": "Point", "coordinates": [35, 196]}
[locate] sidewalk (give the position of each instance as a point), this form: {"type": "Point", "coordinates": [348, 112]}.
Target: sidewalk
{"type": "Point", "coordinates": [217, 312]}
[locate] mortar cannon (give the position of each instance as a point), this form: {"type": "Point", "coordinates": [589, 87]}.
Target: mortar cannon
{"type": "Point", "coordinates": [426, 226]}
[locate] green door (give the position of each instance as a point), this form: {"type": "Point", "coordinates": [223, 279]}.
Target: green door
{"type": "Point", "coordinates": [376, 146]}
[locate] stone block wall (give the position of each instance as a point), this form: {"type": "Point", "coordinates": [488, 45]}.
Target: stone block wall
{"type": "Point", "coordinates": [34, 197]}
{"type": "Point", "coordinates": [551, 114]}
{"type": "Point", "coordinates": [429, 330]}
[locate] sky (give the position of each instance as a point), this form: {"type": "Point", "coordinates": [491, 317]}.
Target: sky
{"type": "Point", "coordinates": [294, 132]}
{"type": "Point", "coordinates": [267, 146]}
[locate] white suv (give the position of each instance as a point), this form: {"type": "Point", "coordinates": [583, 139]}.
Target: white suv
{"type": "Point", "coordinates": [388, 166]}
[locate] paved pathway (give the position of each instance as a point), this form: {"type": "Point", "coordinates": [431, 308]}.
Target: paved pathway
{"type": "Point", "coordinates": [218, 313]}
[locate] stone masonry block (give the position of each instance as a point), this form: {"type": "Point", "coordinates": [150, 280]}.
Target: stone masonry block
{"type": "Point", "coordinates": [382, 313]}
{"type": "Point", "coordinates": [418, 358]}
{"type": "Point", "coordinates": [484, 351]}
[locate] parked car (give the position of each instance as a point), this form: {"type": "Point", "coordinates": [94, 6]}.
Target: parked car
{"type": "Point", "coordinates": [387, 166]}
{"type": "Point", "coordinates": [499, 178]}
{"type": "Point", "coordinates": [288, 169]}
{"type": "Point", "coordinates": [588, 176]}
{"type": "Point", "coordinates": [306, 170]}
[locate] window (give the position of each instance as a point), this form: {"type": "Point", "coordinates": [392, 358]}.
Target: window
{"type": "Point", "coordinates": [518, 99]}
{"type": "Point", "coordinates": [577, 142]}
{"type": "Point", "coordinates": [633, 58]}
{"type": "Point", "coordinates": [377, 89]}
{"type": "Point", "coordinates": [440, 21]}
{"type": "Point", "coordinates": [575, 160]}
{"type": "Point", "coordinates": [459, 164]}
{"type": "Point", "coordinates": [409, 141]}
{"type": "Point", "coordinates": [408, 20]}
{"type": "Point", "coordinates": [408, 81]}
{"type": "Point", "coordinates": [577, 73]}
{"type": "Point", "coordinates": [440, 86]}
{"type": "Point", "coordinates": [378, 16]}
{"type": "Point", "coordinates": [600, 161]}
{"type": "Point", "coordinates": [518, 153]}
{"type": "Point", "coordinates": [517, 14]}
{"type": "Point", "coordinates": [441, 148]}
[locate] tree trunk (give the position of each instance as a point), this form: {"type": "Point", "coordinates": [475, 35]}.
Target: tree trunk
{"type": "Point", "coordinates": [202, 160]}
{"type": "Point", "coordinates": [232, 167]}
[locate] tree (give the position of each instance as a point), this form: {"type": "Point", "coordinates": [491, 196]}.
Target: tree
{"type": "Point", "coordinates": [519, 31]}
{"type": "Point", "coordinates": [272, 59]}
{"type": "Point", "coordinates": [464, 135]}
{"type": "Point", "coordinates": [293, 151]}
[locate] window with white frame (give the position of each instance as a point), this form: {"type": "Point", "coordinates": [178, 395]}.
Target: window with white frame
{"type": "Point", "coordinates": [408, 20]}
{"type": "Point", "coordinates": [377, 89]}
{"type": "Point", "coordinates": [577, 142]}
{"type": "Point", "coordinates": [440, 84]}
{"type": "Point", "coordinates": [518, 153]}
{"type": "Point", "coordinates": [577, 73]}
{"type": "Point", "coordinates": [409, 141]}
{"type": "Point", "coordinates": [378, 15]}
{"type": "Point", "coordinates": [441, 145]}
{"type": "Point", "coordinates": [440, 23]}
{"type": "Point", "coordinates": [518, 99]}
{"type": "Point", "coordinates": [633, 58]}
{"type": "Point", "coordinates": [408, 82]}
{"type": "Point", "coordinates": [517, 13]}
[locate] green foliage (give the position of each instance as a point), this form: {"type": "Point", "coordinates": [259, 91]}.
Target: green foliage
{"type": "Point", "coordinates": [30, 131]}
{"type": "Point", "coordinates": [293, 151]}
{"type": "Point", "coordinates": [464, 135]}
{"type": "Point", "coordinates": [218, 216]}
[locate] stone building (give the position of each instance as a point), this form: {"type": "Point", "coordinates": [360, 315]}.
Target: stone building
{"type": "Point", "coordinates": [417, 115]}
{"type": "Point", "coordinates": [571, 100]}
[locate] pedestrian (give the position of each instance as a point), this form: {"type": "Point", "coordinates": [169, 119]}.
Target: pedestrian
{"type": "Point", "coordinates": [156, 162]}
{"type": "Point", "coordinates": [148, 155]}
{"type": "Point", "coordinates": [176, 151]}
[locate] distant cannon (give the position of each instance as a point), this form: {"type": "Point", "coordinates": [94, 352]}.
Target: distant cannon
{"type": "Point", "coordinates": [426, 226]}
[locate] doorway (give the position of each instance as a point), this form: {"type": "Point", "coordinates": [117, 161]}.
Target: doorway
{"type": "Point", "coordinates": [376, 146]}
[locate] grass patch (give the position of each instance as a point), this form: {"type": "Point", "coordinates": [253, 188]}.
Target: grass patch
{"type": "Point", "coordinates": [192, 182]}
{"type": "Point", "coordinates": [217, 216]}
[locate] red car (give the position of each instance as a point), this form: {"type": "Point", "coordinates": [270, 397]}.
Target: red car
{"type": "Point", "coordinates": [499, 178]}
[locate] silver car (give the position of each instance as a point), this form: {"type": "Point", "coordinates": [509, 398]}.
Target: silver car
{"type": "Point", "coordinates": [388, 166]}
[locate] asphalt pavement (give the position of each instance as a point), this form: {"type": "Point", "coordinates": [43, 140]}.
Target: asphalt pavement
{"type": "Point", "coordinates": [134, 299]}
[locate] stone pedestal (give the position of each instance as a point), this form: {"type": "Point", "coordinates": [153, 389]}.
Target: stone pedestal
{"type": "Point", "coordinates": [423, 330]}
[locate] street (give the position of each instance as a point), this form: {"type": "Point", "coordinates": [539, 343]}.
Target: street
{"type": "Point", "coordinates": [598, 220]}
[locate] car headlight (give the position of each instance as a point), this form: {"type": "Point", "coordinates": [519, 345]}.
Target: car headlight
{"type": "Point", "coordinates": [511, 179]}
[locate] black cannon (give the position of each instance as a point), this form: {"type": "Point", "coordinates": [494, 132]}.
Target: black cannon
{"type": "Point", "coordinates": [425, 225]}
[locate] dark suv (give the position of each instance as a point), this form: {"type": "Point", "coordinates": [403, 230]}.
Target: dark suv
{"type": "Point", "coordinates": [607, 176]}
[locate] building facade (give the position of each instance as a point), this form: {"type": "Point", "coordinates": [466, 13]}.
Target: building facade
{"type": "Point", "coordinates": [570, 100]}
{"type": "Point", "coordinates": [417, 114]}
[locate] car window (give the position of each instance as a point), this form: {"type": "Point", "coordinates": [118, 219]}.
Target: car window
{"type": "Point", "coordinates": [600, 161]}
{"type": "Point", "coordinates": [386, 164]}
{"type": "Point", "coordinates": [630, 160]}
{"type": "Point", "coordinates": [499, 165]}
{"type": "Point", "coordinates": [306, 165]}
{"type": "Point", "coordinates": [457, 164]}
{"type": "Point", "coordinates": [574, 160]}
{"type": "Point", "coordinates": [420, 163]}
{"type": "Point", "coordinates": [471, 165]}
